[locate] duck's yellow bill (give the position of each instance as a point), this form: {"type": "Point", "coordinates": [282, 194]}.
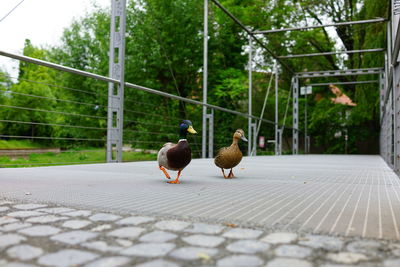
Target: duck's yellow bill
{"type": "Point", "coordinates": [191, 130]}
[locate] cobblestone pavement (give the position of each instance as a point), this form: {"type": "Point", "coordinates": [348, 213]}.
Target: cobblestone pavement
{"type": "Point", "coordinates": [33, 234]}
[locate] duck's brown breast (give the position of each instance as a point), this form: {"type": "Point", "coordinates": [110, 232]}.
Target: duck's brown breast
{"type": "Point", "coordinates": [228, 157]}
{"type": "Point", "coordinates": [179, 156]}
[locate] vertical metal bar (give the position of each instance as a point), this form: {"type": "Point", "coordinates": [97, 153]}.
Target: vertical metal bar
{"type": "Point", "coordinates": [384, 119]}
{"type": "Point", "coordinates": [205, 79]}
{"type": "Point", "coordinates": [389, 45]}
{"type": "Point", "coordinates": [396, 89]}
{"type": "Point", "coordinates": [295, 148]}
{"type": "Point", "coordinates": [250, 95]}
{"type": "Point", "coordinates": [388, 153]}
{"type": "Point", "coordinates": [392, 130]}
{"type": "Point", "coordinates": [211, 134]}
{"type": "Point", "coordinates": [381, 93]}
{"type": "Point", "coordinates": [305, 121]}
{"type": "Point", "coordinates": [115, 115]}
{"type": "Point", "coordinates": [276, 109]}
{"type": "Point", "coordinates": [389, 131]}
{"type": "Point", "coordinates": [396, 121]}
{"type": "Point", "coordinates": [254, 129]}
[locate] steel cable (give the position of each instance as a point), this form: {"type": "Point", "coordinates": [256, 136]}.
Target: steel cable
{"type": "Point", "coordinates": [54, 124]}
{"type": "Point", "coordinates": [56, 112]}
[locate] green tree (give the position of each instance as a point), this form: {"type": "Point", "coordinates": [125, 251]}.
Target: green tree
{"type": "Point", "coordinates": [31, 103]}
{"type": "Point", "coordinates": [5, 85]}
{"type": "Point", "coordinates": [85, 46]}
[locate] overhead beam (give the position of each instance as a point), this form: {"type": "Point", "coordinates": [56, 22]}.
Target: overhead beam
{"type": "Point", "coordinates": [334, 53]}
{"type": "Point", "coordinates": [322, 26]}
{"type": "Point", "coordinates": [342, 83]}
{"type": "Point", "coordinates": [330, 73]}
{"type": "Point", "coordinates": [238, 22]}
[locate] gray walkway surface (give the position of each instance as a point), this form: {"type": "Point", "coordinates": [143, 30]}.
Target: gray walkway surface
{"type": "Point", "coordinates": [344, 195]}
{"type": "Point", "coordinates": [298, 211]}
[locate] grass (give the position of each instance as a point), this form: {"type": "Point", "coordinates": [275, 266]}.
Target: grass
{"type": "Point", "coordinates": [16, 144]}
{"type": "Point", "coordinates": [76, 156]}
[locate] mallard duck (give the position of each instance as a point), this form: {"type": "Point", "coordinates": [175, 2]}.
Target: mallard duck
{"type": "Point", "coordinates": [229, 157]}
{"type": "Point", "coordinates": [176, 157]}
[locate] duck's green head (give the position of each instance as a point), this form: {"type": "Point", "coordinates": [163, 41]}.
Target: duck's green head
{"type": "Point", "coordinates": [185, 127]}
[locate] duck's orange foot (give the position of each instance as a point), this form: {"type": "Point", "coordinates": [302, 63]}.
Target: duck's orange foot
{"type": "Point", "coordinates": [165, 172]}
{"type": "Point", "coordinates": [223, 173]}
{"type": "Point", "coordinates": [174, 182]}
{"type": "Point", "coordinates": [231, 175]}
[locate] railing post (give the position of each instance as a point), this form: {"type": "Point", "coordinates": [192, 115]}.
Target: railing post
{"type": "Point", "coordinates": [381, 93]}
{"type": "Point", "coordinates": [295, 148]}
{"type": "Point", "coordinates": [210, 118]}
{"type": "Point", "coordinates": [276, 108]}
{"type": "Point", "coordinates": [205, 79]}
{"type": "Point", "coordinates": [254, 146]}
{"type": "Point", "coordinates": [250, 66]}
{"type": "Point", "coordinates": [115, 119]}
{"type": "Point", "coordinates": [280, 140]}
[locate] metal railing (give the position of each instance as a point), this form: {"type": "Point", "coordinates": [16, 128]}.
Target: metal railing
{"type": "Point", "coordinates": [147, 125]}
{"type": "Point", "coordinates": [390, 94]}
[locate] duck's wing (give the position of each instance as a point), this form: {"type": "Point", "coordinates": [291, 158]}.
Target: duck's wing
{"type": "Point", "coordinates": [179, 156]}
{"type": "Point", "coordinates": [162, 154]}
{"type": "Point", "coordinates": [228, 157]}
{"type": "Point", "coordinates": [219, 157]}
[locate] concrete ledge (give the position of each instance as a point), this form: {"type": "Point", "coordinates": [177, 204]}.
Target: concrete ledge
{"type": "Point", "coordinates": [25, 152]}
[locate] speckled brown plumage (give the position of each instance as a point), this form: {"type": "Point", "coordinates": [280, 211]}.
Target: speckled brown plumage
{"type": "Point", "coordinates": [230, 157]}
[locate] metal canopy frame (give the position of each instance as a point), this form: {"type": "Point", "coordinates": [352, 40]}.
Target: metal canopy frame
{"type": "Point", "coordinates": [322, 26]}
{"type": "Point", "coordinates": [299, 75]}
{"type": "Point", "coordinates": [343, 83]}
{"type": "Point", "coordinates": [334, 53]}
{"type": "Point", "coordinates": [329, 73]}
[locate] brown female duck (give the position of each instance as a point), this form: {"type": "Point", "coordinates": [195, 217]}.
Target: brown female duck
{"type": "Point", "coordinates": [229, 157]}
{"type": "Point", "coordinates": [176, 156]}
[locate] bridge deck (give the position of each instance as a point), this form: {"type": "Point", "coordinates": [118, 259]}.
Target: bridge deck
{"type": "Point", "coordinates": [334, 194]}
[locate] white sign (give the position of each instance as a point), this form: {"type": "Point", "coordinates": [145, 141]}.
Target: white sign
{"type": "Point", "coordinates": [303, 90]}
{"type": "Point", "coordinates": [261, 141]}
{"type": "Point", "coordinates": [338, 134]}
